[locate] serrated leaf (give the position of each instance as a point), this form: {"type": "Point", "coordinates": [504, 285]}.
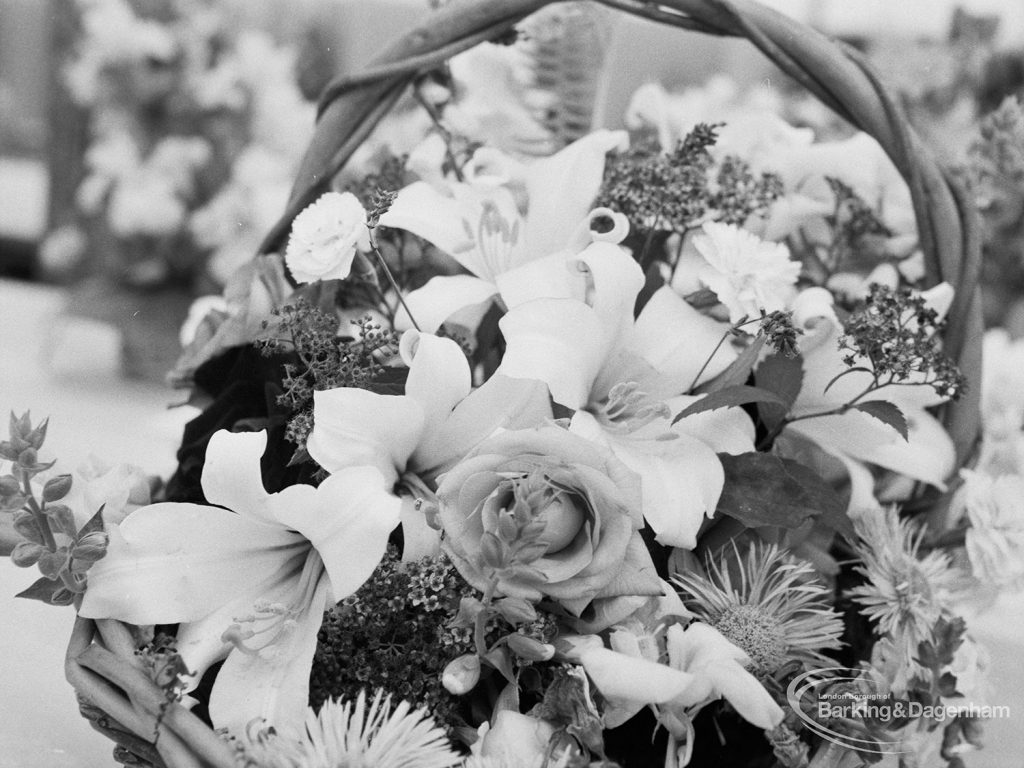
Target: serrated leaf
{"type": "Point", "coordinates": [738, 371]}
{"type": "Point", "coordinates": [42, 590]}
{"type": "Point", "coordinates": [740, 394]}
{"type": "Point", "coordinates": [765, 490]}
{"type": "Point", "coordinates": [947, 685]}
{"type": "Point", "coordinates": [784, 376]}
{"type": "Point", "coordinates": [887, 413]}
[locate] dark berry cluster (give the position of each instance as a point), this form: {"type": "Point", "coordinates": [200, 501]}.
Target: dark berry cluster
{"type": "Point", "coordinates": [394, 634]}
{"type": "Point", "coordinates": [897, 334]}
{"type": "Point", "coordinates": [679, 190]}
{"type": "Point", "coordinates": [324, 360]}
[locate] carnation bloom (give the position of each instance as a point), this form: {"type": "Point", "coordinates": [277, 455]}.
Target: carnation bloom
{"type": "Point", "coordinates": [698, 666]}
{"type": "Point", "coordinates": [325, 236]}
{"type": "Point", "coordinates": [625, 377]}
{"type": "Point", "coordinates": [547, 514]}
{"type": "Point", "coordinates": [776, 610]}
{"type": "Point", "coordinates": [855, 438]}
{"type": "Point", "coordinates": [995, 539]}
{"type": "Point", "coordinates": [362, 733]}
{"type": "Point", "coordinates": [509, 215]}
{"type": "Point", "coordinates": [746, 273]}
{"type": "Point", "coordinates": [249, 579]}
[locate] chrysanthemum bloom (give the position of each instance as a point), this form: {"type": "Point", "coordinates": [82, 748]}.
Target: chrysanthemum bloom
{"type": "Point", "coordinates": [777, 610]}
{"type": "Point", "coordinates": [325, 237]}
{"type": "Point", "coordinates": [746, 273]}
{"type": "Point", "coordinates": [905, 594]}
{"type": "Point", "coordinates": [354, 734]}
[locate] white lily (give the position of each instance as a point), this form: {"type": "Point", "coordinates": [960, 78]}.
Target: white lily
{"type": "Point", "coordinates": [248, 583]}
{"type": "Point", "coordinates": [701, 666]}
{"type": "Point", "coordinates": [423, 432]}
{"type": "Point", "coordinates": [624, 378]}
{"type": "Point", "coordinates": [856, 438]}
{"type": "Point", "coordinates": [506, 216]}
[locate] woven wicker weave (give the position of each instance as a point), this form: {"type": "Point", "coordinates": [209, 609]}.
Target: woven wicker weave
{"type": "Point", "coordinates": [118, 697]}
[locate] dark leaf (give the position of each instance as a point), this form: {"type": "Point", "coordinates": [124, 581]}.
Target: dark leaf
{"type": "Point", "coordinates": [740, 394]}
{"type": "Point", "coordinates": [887, 413]}
{"type": "Point", "coordinates": [95, 523]}
{"type": "Point", "coordinates": [762, 489]}
{"type": "Point", "coordinates": [42, 590]}
{"type": "Point", "coordinates": [784, 376]}
{"type": "Point", "coordinates": [738, 371]}
{"type": "Point", "coordinates": [947, 685]}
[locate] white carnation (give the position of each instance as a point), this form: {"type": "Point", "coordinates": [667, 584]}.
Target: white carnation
{"type": "Point", "coordinates": [995, 538]}
{"type": "Point", "coordinates": [746, 273]}
{"type": "Point", "coordinates": [325, 236]}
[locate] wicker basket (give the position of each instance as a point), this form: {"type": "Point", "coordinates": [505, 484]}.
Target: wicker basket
{"type": "Point", "coordinates": [116, 694]}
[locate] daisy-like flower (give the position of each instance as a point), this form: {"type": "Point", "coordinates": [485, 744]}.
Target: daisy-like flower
{"type": "Point", "coordinates": [325, 237]}
{"type": "Point", "coordinates": [359, 733]}
{"type": "Point", "coordinates": [905, 593]}
{"type": "Point", "coordinates": [747, 273]}
{"type": "Point", "coordinates": [776, 610]}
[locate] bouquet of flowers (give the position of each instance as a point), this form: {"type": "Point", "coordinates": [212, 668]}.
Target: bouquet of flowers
{"type": "Point", "coordinates": [638, 453]}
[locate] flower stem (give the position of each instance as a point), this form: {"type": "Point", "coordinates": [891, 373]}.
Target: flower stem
{"type": "Point", "coordinates": [390, 277]}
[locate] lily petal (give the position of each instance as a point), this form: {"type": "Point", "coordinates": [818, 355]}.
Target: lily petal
{"type": "Point", "coordinates": [608, 279]}
{"type": "Point", "coordinates": [231, 473]}
{"type": "Point", "coordinates": [439, 219]}
{"type": "Point", "coordinates": [677, 340]}
{"type": "Point", "coordinates": [439, 375]}
{"type": "Point", "coordinates": [157, 570]}
{"type": "Point", "coordinates": [629, 679]}
{"type": "Point", "coordinates": [272, 683]}
{"type": "Point", "coordinates": [725, 430]}
{"type": "Point", "coordinates": [546, 277]}
{"type": "Point", "coordinates": [559, 342]}
{"type": "Point", "coordinates": [355, 427]}
{"type": "Point", "coordinates": [561, 188]}
{"type": "Point", "coordinates": [348, 519]}
{"type": "Point", "coordinates": [441, 298]}
{"type": "Point", "coordinates": [419, 540]}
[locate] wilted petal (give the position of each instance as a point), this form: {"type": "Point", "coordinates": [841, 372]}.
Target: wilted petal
{"type": "Point", "coordinates": [559, 342]}
{"type": "Point", "coordinates": [355, 427]}
{"type": "Point", "coordinates": [170, 563]}
{"type": "Point", "coordinates": [441, 298]}
{"type": "Point", "coordinates": [562, 188]}
{"type": "Point", "coordinates": [677, 340]}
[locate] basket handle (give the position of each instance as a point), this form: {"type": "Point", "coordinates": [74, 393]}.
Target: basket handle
{"type": "Point", "coordinates": [836, 74]}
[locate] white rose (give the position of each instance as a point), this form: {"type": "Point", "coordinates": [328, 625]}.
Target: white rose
{"type": "Point", "coordinates": [325, 236]}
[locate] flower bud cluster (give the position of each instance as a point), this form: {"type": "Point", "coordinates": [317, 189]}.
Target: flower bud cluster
{"type": "Point", "coordinates": [51, 538]}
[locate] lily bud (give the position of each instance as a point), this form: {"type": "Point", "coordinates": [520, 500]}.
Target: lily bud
{"type": "Point", "coordinates": [91, 547]}
{"type": "Point", "coordinates": [461, 675]}
{"type": "Point", "coordinates": [26, 553]}
{"type": "Point", "coordinates": [515, 610]}
{"type": "Point", "coordinates": [527, 648]}
{"type": "Point", "coordinates": [56, 488]}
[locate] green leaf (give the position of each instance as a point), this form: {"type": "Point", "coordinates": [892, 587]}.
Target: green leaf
{"type": "Point", "coordinates": [42, 590]}
{"type": "Point", "coordinates": [762, 489]}
{"type": "Point", "coordinates": [738, 371]}
{"type": "Point", "coordinates": [885, 412]}
{"type": "Point", "coordinates": [784, 376]}
{"type": "Point", "coordinates": [95, 523]}
{"type": "Point", "coordinates": [740, 394]}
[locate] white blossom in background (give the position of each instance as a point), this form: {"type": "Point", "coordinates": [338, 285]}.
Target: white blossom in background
{"type": "Point", "coordinates": [325, 237]}
{"type": "Point", "coordinates": [994, 507]}
{"type": "Point", "coordinates": [746, 273]}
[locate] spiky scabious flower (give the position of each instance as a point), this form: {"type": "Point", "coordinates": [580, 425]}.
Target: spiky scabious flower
{"type": "Point", "coordinates": [358, 734]}
{"type": "Point", "coordinates": [775, 608]}
{"type": "Point", "coordinates": [905, 593]}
